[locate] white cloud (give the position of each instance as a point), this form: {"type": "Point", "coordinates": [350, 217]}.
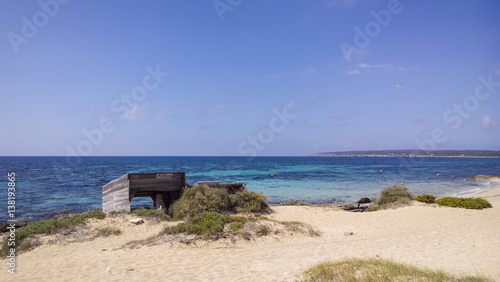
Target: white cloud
{"type": "Point", "coordinates": [363, 65]}
{"type": "Point", "coordinates": [216, 110]}
{"type": "Point", "coordinates": [488, 122]}
{"type": "Point", "coordinates": [351, 72]}
{"type": "Point", "coordinates": [136, 112]}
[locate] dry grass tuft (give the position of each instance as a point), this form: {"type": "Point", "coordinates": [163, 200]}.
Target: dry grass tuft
{"type": "Point", "coordinates": [377, 270]}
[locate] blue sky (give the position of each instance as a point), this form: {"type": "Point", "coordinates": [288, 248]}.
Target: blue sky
{"type": "Point", "coordinates": [239, 77]}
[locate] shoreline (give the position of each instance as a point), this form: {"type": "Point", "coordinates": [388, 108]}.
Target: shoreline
{"type": "Point", "coordinates": [340, 201]}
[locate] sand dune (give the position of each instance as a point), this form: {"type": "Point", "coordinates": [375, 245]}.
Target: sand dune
{"type": "Point", "coordinates": [458, 241]}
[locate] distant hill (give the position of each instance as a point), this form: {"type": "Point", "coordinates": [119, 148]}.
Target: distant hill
{"type": "Point", "coordinates": [412, 153]}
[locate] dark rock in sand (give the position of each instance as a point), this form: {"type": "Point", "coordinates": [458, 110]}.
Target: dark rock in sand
{"type": "Point", "coordinates": [360, 206]}
{"type": "Point", "coordinates": [364, 201]}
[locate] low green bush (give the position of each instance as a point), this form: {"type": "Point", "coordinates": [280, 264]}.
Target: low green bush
{"type": "Point", "coordinates": [249, 201]}
{"type": "Point", "coordinates": [425, 198]}
{"type": "Point", "coordinates": [198, 199]}
{"type": "Point", "coordinates": [290, 203]}
{"type": "Point", "coordinates": [394, 196]}
{"type": "Point", "coordinates": [468, 203]}
{"type": "Point", "coordinates": [207, 223]}
{"type": "Point", "coordinates": [372, 209]}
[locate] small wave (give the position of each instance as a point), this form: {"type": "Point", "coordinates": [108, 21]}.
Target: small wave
{"type": "Point", "coordinates": [467, 192]}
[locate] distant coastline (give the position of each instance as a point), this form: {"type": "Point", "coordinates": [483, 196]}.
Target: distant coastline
{"type": "Point", "coordinates": [413, 153]}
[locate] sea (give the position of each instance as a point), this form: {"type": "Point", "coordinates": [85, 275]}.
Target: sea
{"type": "Point", "coordinates": [44, 185]}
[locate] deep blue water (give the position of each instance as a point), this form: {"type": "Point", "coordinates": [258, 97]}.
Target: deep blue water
{"type": "Point", "coordinates": [48, 184]}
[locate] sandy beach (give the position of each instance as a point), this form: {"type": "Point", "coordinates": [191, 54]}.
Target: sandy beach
{"type": "Point", "coordinates": [458, 241]}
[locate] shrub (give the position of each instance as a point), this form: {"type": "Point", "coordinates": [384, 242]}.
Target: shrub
{"type": "Point", "coordinates": [108, 231]}
{"type": "Point", "coordinates": [372, 209]}
{"type": "Point", "coordinates": [198, 199]}
{"type": "Point", "coordinates": [263, 230]}
{"type": "Point", "coordinates": [376, 270]}
{"type": "Point", "coordinates": [237, 225]}
{"type": "Point", "coordinates": [290, 203]}
{"type": "Point", "coordinates": [152, 214]}
{"type": "Point", "coordinates": [97, 214]}
{"type": "Point", "coordinates": [207, 223]}
{"type": "Point", "coordinates": [468, 203]}
{"type": "Point", "coordinates": [394, 194]}
{"type": "Point", "coordinates": [249, 201]}
{"type": "Point", "coordinates": [400, 202]}
{"type": "Point", "coordinates": [426, 198]}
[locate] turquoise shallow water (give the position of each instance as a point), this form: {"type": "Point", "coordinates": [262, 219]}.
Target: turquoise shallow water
{"type": "Point", "coordinates": [48, 184]}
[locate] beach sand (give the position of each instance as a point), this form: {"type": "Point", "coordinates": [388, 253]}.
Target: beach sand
{"type": "Point", "coordinates": [455, 240]}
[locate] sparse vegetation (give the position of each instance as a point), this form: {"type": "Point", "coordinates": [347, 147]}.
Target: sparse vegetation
{"type": "Point", "coordinates": [151, 213]}
{"type": "Point", "coordinates": [207, 223]}
{"type": "Point", "coordinates": [374, 208]}
{"type": "Point", "coordinates": [263, 230]}
{"type": "Point", "coordinates": [425, 198]}
{"type": "Point", "coordinates": [377, 270]}
{"type": "Point", "coordinates": [295, 203]}
{"type": "Point", "coordinates": [485, 177]}
{"type": "Point", "coordinates": [468, 203]}
{"type": "Point", "coordinates": [48, 226]}
{"type": "Point", "coordinates": [109, 231]}
{"type": "Point", "coordinates": [299, 227]}
{"type": "Point", "coordinates": [394, 196]}
{"type": "Point", "coordinates": [117, 213]}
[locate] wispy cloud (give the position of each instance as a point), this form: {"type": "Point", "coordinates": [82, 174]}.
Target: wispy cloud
{"type": "Point", "coordinates": [387, 67]}
{"type": "Point", "coordinates": [351, 72]}
{"type": "Point", "coordinates": [135, 112]}
{"type": "Point", "coordinates": [216, 109]}
{"type": "Point", "coordinates": [488, 122]}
